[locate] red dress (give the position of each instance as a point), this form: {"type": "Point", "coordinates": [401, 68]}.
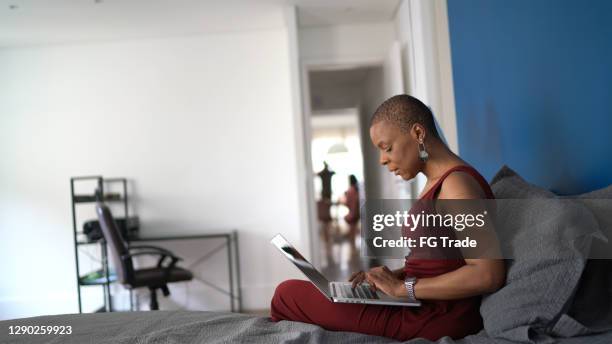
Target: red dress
{"type": "Point", "coordinates": [352, 202]}
{"type": "Point", "coordinates": [298, 300]}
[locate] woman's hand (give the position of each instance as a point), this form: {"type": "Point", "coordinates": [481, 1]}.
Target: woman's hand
{"type": "Point", "coordinates": [380, 278]}
{"type": "Point", "coordinates": [357, 278]}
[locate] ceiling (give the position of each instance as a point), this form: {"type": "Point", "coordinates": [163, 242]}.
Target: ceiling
{"type": "Point", "coordinates": [57, 21]}
{"type": "Point", "coordinates": [33, 22]}
{"type": "Point", "coordinates": [338, 89]}
{"type": "Point", "coordinates": [338, 78]}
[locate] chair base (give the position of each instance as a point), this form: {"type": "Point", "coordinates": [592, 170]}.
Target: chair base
{"type": "Point", "coordinates": [153, 304]}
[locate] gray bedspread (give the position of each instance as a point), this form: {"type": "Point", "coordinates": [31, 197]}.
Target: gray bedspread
{"type": "Point", "coordinates": [208, 327]}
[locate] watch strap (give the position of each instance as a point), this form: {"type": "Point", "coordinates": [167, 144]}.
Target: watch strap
{"type": "Point", "coordinates": [409, 282]}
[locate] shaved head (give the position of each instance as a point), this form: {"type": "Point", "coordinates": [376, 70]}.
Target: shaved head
{"type": "Point", "coordinates": [404, 111]}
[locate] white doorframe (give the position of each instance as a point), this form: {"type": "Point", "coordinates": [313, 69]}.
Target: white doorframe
{"type": "Point", "coordinates": [302, 149]}
{"type": "Point", "coordinates": [445, 73]}
{"type": "Point", "coordinates": [429, 61]}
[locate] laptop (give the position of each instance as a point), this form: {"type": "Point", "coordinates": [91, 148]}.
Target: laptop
{"type": "Point", "coordinates": [341, 292]}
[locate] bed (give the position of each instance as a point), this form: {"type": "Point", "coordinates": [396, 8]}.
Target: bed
{"type": "Point", "coordinates": [208, 327]}
{"type": "Point", "coordinates": [553, 294]}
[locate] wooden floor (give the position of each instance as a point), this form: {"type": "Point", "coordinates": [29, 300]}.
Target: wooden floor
{"type": "Point", "coordinates": [340, 259]}
{"type": "Point", "coordinates": [338, 264]}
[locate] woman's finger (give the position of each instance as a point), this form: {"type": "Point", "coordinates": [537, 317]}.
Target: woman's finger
{"type": "Point", "coordinates": [358, 280]}
{"type": "Point", "coordinates": [376, 269]}
{"type": "Point", "coordinates": [371, 278]}
{"type": "Point", "coordinates": [355, 274]}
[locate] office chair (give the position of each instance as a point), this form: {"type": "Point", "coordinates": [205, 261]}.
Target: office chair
{"type": "Point", "coordinates": [153, 278]}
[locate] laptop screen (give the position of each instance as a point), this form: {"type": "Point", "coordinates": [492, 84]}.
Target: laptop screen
{"type": "Point", "coordinates": [298, 260]}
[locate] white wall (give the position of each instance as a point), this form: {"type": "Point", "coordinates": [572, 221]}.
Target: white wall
{"type": "Point", "coordinates": [379, 84]}
{"type": "Point", "coordinates": [203, 126]}
{"type": "Point", "coordinates": [346, 42]}
{"type": "Point", "coordinates": [372, 95]}
{"type": "Point", "coordinates": [326, 97]}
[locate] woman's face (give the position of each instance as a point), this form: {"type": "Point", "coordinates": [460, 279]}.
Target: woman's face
{"type": "Point", "coordinates": [398, 150]}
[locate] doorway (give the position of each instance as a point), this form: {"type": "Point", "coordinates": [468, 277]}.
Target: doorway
{"type": "Point", "coordinates": [339, 101]}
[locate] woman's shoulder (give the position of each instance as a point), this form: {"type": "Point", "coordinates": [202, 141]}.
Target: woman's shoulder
{"type": "Point", "coordinates": [464, 183]}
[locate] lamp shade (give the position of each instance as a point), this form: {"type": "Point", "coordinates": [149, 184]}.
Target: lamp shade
{"type": "Point", "coordinates": [337, 148]}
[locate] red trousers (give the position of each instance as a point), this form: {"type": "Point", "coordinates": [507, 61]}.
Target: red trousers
{"type": "Point", "coordinates": [298, 300]}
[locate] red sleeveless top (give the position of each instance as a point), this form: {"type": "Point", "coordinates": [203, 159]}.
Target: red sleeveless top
{"type": "Point", "coordinates": [417, 263]}
{"type": "Point", "coordinates": [441, 316]}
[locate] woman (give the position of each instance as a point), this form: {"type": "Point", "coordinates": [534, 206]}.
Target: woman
{"type": "Point", "coordinates": [324, 208]}
{"type": "Point", "coordinates": [351, 201]}
{"type": "Point", "coordinates": [403, 130]}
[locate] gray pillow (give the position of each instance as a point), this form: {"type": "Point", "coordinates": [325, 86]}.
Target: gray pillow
{"type": "Point", "coordinates": [591, 308]}
{"type": "Point", "coordinates": [547, 266]}
{"type": "Point", "coordinates": [599, 202]}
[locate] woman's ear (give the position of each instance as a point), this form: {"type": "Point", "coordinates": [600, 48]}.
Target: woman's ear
{"type": "Point", "coordinates": [418, 132]}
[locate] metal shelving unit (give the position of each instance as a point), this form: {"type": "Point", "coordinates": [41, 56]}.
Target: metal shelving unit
{"type": "Point", "coordinates": [105, 278]}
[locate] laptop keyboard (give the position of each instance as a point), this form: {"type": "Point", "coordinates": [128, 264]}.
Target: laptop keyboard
{"type": "Point", "coordinates": [360, 292]}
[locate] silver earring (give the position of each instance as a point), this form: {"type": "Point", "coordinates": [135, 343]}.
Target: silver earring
{"type": "Point", "coordinates": [423, 155]}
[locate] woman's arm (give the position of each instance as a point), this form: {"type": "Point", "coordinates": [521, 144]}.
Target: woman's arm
{"type": "Point", "coordinates": [399, 273]}
{"type": "Point", "coordinates": [477, 277]}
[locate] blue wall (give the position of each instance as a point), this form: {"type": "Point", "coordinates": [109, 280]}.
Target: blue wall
{"type": "Point", "coordinates": [533, 89]}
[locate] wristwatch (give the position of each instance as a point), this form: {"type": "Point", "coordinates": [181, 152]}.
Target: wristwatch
{"type": "Point", "coordinates": [409, 282]}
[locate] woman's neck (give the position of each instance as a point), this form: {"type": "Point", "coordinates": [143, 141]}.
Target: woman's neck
{"type": "Point", "coordinates": [440, 160]}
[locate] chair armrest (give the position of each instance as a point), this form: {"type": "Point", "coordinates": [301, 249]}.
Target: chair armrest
{"type": "Point", "coordinates": [163, 253]}
{"type": "Point", "coordinates": [150, 247]}
{"type": "Point", "coordinates": [157, 250]}
{"type": "Point", "coordinates": [142, 253]}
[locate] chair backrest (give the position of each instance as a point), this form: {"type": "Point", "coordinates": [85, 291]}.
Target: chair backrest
{"type": "Point", "coordinates": [116, 245]}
